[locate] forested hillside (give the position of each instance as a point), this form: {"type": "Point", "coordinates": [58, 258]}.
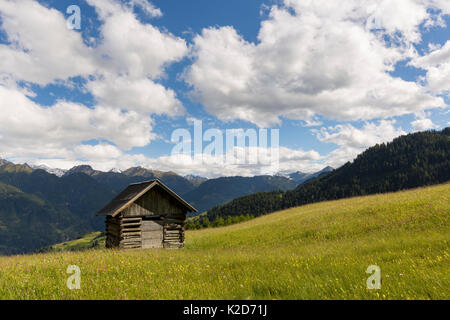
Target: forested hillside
{"type": "Point", "coordinates": [38, 208]}
{"type": "Point", "coordinates": [28, 222]}
{"type": "Point", "coordinates": [409, 161]}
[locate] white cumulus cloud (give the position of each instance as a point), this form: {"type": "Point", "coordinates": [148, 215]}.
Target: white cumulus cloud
{"type": "Point", "coordinates": [313, 58]}
{"type": "Point", "coordinates": [352, 141]}
{"type": "Point", "coordinates": [121, 72]}
{"type": "Point", "coordinates": [437, 65]}
{"type": "Point", "coordinates": [41, 48]}
{"type": "Point", "coordinates": [27, 129]}
{"type": "Point", "coordinates": [423, 124]}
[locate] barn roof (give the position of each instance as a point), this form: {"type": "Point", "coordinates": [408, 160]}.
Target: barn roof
{"type": "Point", "coordinates": [133, 192]}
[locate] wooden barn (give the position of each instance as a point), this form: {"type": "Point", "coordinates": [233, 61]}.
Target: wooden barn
{"type": "Point", "coordinates": [146, 215]}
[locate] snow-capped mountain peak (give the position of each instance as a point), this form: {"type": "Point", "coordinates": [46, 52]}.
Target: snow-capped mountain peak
{"type": "Point", "coordinates": [56, 171]}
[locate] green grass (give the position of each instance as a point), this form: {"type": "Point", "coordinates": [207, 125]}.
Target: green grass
{"type": "Point", "coordinates": [317, 251]}
{"type": "Point", "coordinates": [88, 241]}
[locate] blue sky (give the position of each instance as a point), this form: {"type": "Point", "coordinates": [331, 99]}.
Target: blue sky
{"type": "Point", "coordinates": [334, 78]}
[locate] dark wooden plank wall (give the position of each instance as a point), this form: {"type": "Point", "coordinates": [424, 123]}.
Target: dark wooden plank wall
{"type": "Point", "coordinates": [173, 232]}
{"type": "Point", "coordinates": [123, 232]}
{"type": "Point", "coordinates": [155, 202]}
{"type": "Point", "coordinates": [112, 232]}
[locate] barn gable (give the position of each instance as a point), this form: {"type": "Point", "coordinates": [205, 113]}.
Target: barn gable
{"type": "Point", "coordinates": [155, 201]}
{"type": "Point", "coordinates": [146, 195]}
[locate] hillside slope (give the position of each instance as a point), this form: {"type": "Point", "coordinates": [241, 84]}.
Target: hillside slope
{"type": "Point", "coordinates": [39, 209]}
{"type": "Point", "coordinates": [317, 251]}
{"type": "Point", "coordinates": [28, 222]}
{"type": "Point", "coordinates": [408, 161]}
{"type": "Point", "coordinates": [88, 241]}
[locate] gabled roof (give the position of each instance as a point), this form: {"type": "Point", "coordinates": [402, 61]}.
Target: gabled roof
{"type": "Point", "coordinates": [133, 192]}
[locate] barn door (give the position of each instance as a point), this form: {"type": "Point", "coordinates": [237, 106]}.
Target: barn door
{"type": "Point", "coordinates": [152, 234]}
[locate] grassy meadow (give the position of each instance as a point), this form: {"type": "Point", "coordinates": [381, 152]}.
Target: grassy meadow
{"type": "Point", "coordinates": [88, 241]}
{"type": "Point", "coordinates": [317, 251]}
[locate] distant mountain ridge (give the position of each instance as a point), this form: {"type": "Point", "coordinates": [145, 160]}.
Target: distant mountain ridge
{"type": "Point", "coordinates": [195, 180]}
{"type": "Point", "coordinates": [297, 176]}
{"type": "Point", "coordinates": [302, 177]}
{"type": "Point", "coordinates": [57, 172]}
{"type": "Point", "coordinates": [3, 162]}
{"type": "Point", "coordinates": [117, 179]}
{"type": "Point", "coordinates": [221, 190]}
{"type": "Point", "coordinates": [120, 180]}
